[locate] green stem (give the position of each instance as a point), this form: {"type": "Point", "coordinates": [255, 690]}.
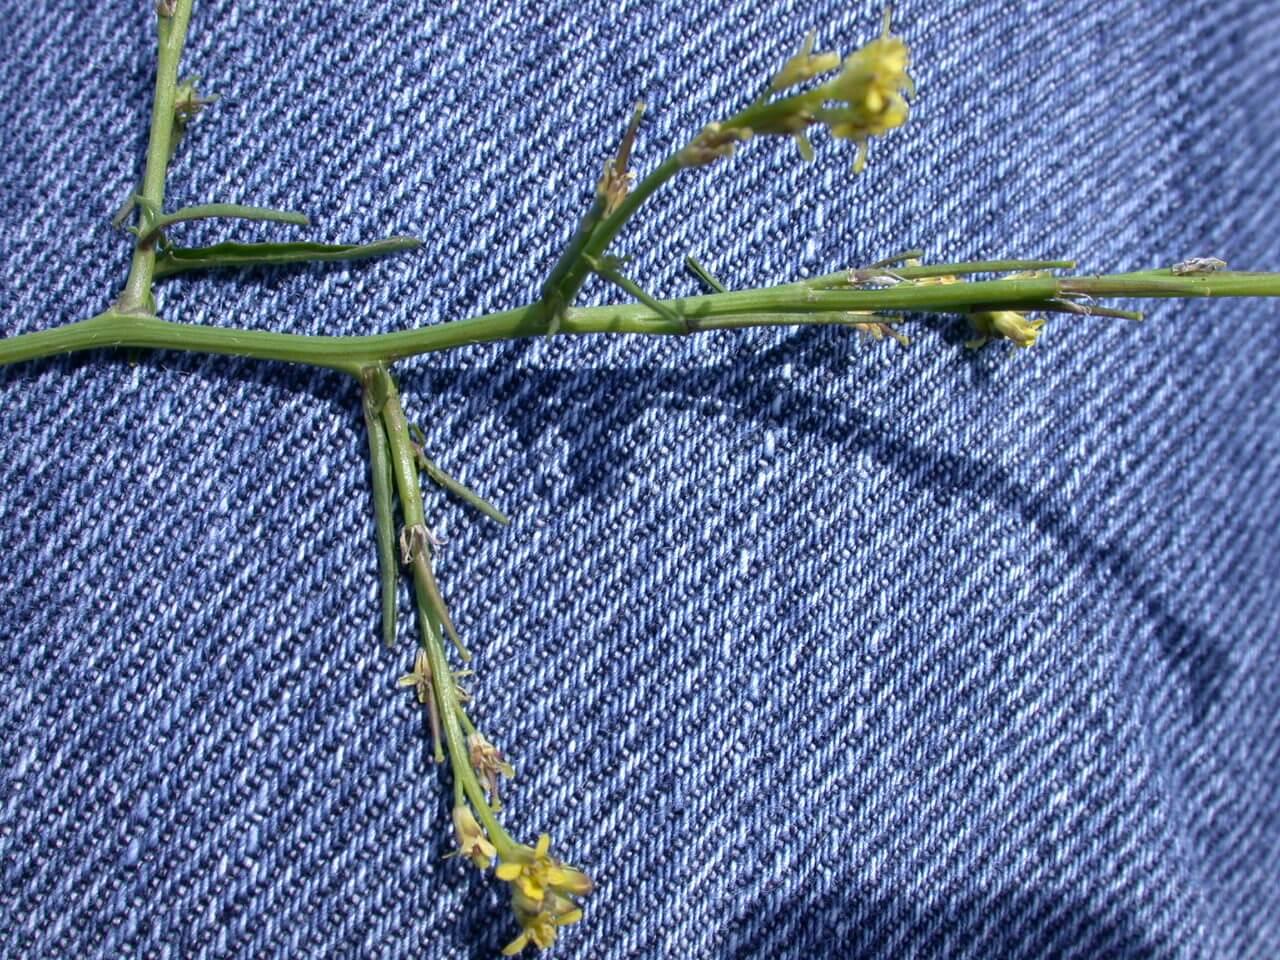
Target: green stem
{"type": "Point", "coordinates": [849, 278]}
{"type": "Point", "coordinates": [405, 470]}
{"type": "Point", "coordinates": [573, 274]}
{"type": "Point", "coordinates": [136, 296]}
{"type": "Point", "coordinates": [460, 489]}
{"type": "Point", "coordinates": [899, 258]}
{"type": "Point", "coordinates": [380, 467]}
{"type": "Point", "coordinates": [620, 280]}
{"type": "Point", "coordinates": [552, 287]}
{"type": "Point", "coordinates": [114, 329]}
{"type": "Point", "coordinates": [784, 305]}
{"type": "Point", "coordinates": [211, 211]}
{"type": "Point", "coordinates": [467, 725]}
{"type": "Point", "coordinates": [596, 234]}
{"type": "Point", "coordinates": [173, 260]}
{"type": "Point", "coordinates": [706, 276]}
{"type": "Point", "coordinates": [424, 582]}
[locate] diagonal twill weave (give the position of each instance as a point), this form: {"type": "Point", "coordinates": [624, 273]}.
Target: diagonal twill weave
{"type": "Point", "coordinates": [802, 646]}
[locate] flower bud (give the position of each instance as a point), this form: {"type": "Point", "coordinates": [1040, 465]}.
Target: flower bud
{"type": "Point", "coordinates": [805, 65]}
{"type": "Point", "coordinates": [472, 842]}
{"type": "Point", "coordinates": [1004, 325]}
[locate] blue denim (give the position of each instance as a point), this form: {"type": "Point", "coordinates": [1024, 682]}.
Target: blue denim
{"type": "Point", "coordinates": [801, 645]}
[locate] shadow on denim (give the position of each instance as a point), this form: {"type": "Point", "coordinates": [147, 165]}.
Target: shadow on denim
{"type": "Point", "coordinates": [1005, 922]}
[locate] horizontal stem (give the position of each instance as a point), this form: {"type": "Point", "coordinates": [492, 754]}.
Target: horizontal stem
{"type": "Point", "coordinates": [212, 211]}
{"type": "Point", "coordinates": [789, 304]}
{"type": "Point", "coordinates": [862, 275]}
{"type": "Point", "coordinates": [232, 254]}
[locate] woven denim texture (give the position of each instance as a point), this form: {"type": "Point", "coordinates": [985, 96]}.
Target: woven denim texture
{"type": "Point", "coordinates": [801, 645]}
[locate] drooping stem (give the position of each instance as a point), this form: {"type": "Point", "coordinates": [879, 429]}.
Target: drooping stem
{"type": "Point", "coordinates": [380, 470]}
{"type": "Point", "coordinates": [136, 296]}
{"type": "Point", "coordinates": [444, 687]}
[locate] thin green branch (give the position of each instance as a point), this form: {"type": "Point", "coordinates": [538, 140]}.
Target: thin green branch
{"type": "Point", "coordinates": [555, 288]}
{"type": "Point", "coordinates": [444, 687]}
{"type": "Point", "coordinates": [708, 278]}
{"type": "Point", "coordinates": [788, 304]}
{"type": "Point", "coordinates": [173, 260]}
{"type": "Point", "coordinates": [902, 257]}
{"type": "Point", "coordinates": [558, 297]}
{"type": "Point", "coordinates": [567, 276]}
{"type": "Point", "coordinates": [424, 579]}
{"type": "Point", "coordinates": [209, 211]}
{"type": "Point", "coordinates": [608, 269]}
{"type": "Point", "coordinates": [136, 296]}
{"type": "Point", "coordinates": [460, 490]}
{"type": "Point", "coordinates": [380, 467]}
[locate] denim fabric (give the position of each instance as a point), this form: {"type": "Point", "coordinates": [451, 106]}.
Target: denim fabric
{"type": "Point", "coordinates": [801, 645]}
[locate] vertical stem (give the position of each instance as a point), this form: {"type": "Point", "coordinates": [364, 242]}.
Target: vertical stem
{"type": "Point", "coordinates": [404, 468]}
{"type": "Point", "coordinates": [136, 296]}
{"type": "Point", "coordinates": [380, 468]}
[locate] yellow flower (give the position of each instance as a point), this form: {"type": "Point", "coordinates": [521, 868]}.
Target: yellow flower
{"type": "Point", "coordinates": [871, 92]}
{"type": "Point", "coordinates": [472, 842]}
{"type": "Point", "coordinates": [878, 330]}
{"type": "Point", "coordinates": [539, 927]}
{"type": "Point", "coordinates": [540, 890]}
{"type": "Point", "coordinates": [1004, 325]}
{"type": "Point", "coordinates": [534, 873]}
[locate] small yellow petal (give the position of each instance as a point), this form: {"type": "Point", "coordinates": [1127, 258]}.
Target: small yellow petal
{"type": "Point", "coordinates": [544, 935]}
{"type": "Point", "coordinates": [804, 146]}
{"type": "Point", "coordinates": [508, 871]}
{"type": "Point", "coordinates": [824, 62]}
{"type": "Point", "coordinates": [860, 163]}
{"type": "Point", "coordinates": [516, 945]}
{"type": "Point", "coordinates": [568, 880]}
{"type": "Point", "coordinates": [573, 916]}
